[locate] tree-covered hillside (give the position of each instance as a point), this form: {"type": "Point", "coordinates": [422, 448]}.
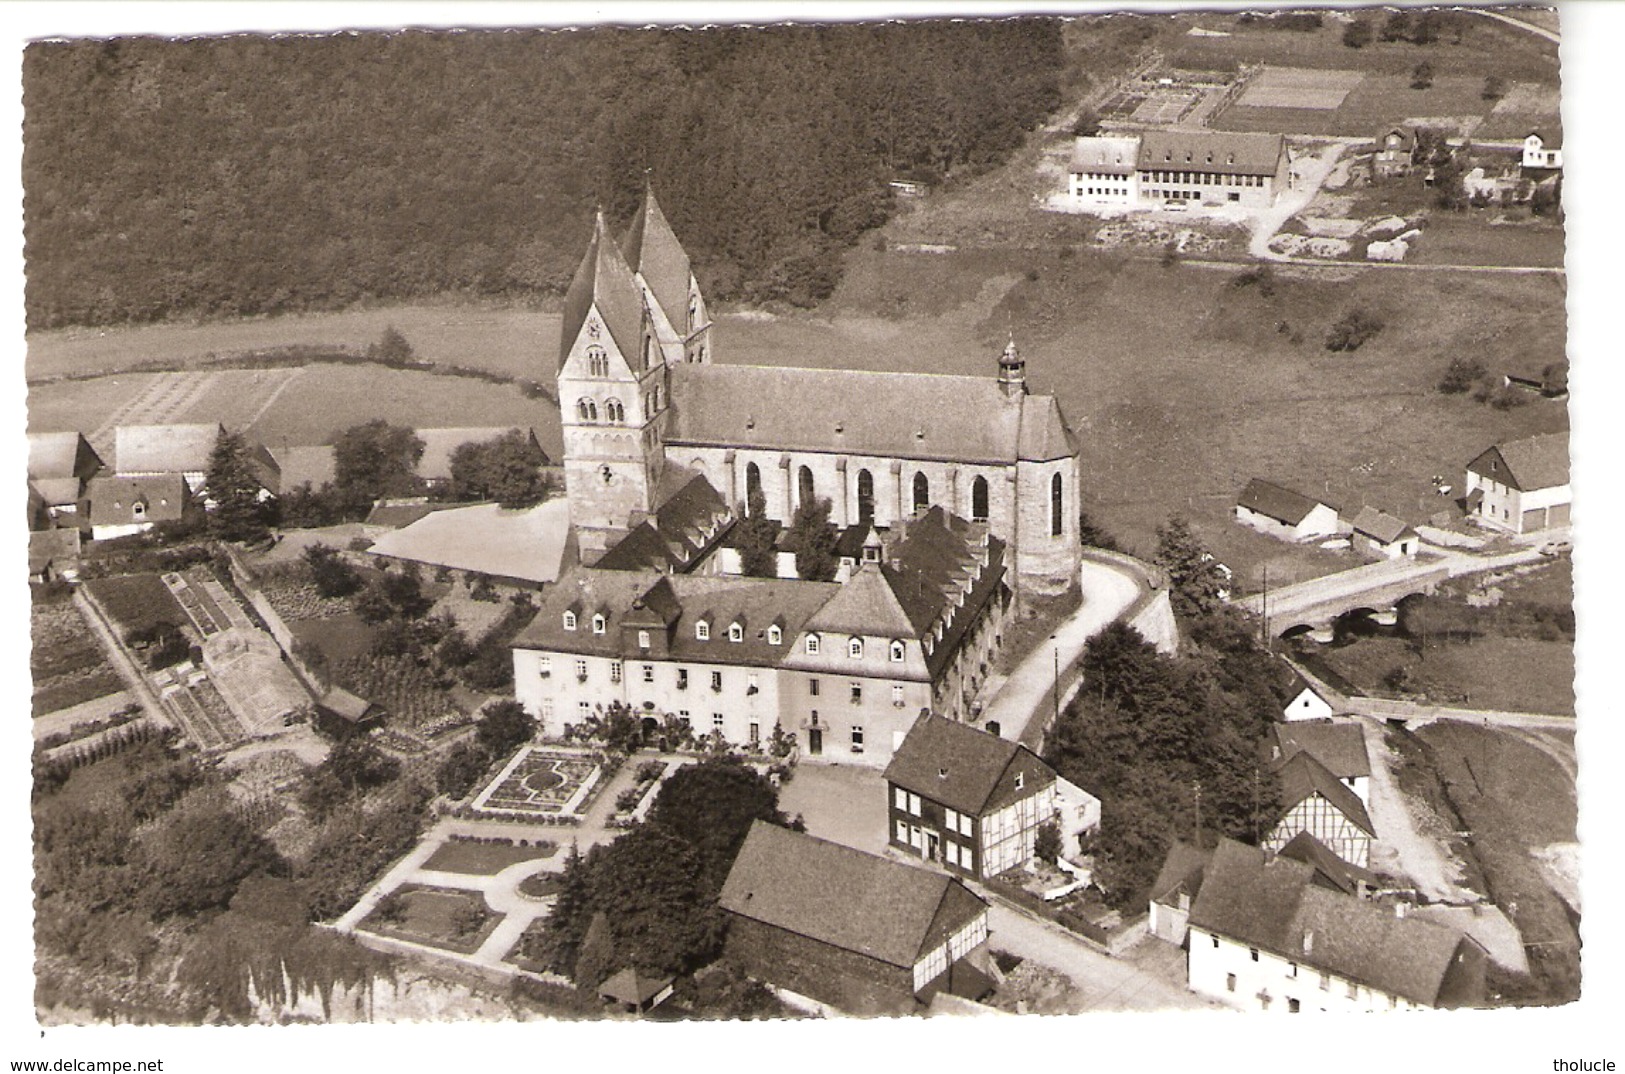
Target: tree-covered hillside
{"type": "Point", "coordinates": [256, 174]}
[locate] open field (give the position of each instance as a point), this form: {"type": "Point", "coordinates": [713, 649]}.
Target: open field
{"type": "Point", "coordinates": [1514, 674]}
{"type": "Point", "coordinates": [1378, 100]}
{"type": "Point", "coordinates": [1471, 239]}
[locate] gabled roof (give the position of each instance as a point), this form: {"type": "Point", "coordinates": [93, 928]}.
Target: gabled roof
{"type": "Point", "coordinates": [1206, 150]}
{"type": "Point", "coordinates": [689, 521]}
{"type": "Point", "coordinates": [57, 491]}
{"type": "Point", "coordinates": [1301, 777]}
{"type": "Point", "coordinates": [1274, 501]}
{"type": "Point", "coordinates": [654, 253]}
{"type": "Point", "coordinates": [604, 280]}
{"type": "Point", "coordinates": [60, 456]}
{"type": "Point", "coordinates": [633, 988]}
{"type": "Point", "coordinates": [1274, 904]}
{"type": "Point", "coordinates": [924, 416]}
{"type": "Point", "coordinates": [531, 544]}
{"type": "Point", "coordinates": [304, 464]}
{"type": "Point", "coordinates": [1105, 155]}
{"type": "Point", "coordinates": [1380, 526]}
{"type": "Point", "coordinates": [165, 449]}
{"type": "Point", "coordinates": [113, 500]}
{"type": "Point", "coordinates": [953, 763]}
{"type": "Point", "coordinates": [1329, 868]}
{"type": "Point", "coordinates": [846, 898]}
{"type": "Point", "coordinates": [1339, 746]}
{"type": "Point", "coordinates": [46, 547]}
{"type": "Point", "coordinates": [345, 705]}
{"type": "Point", "coordinates": [1535, 462]}
{"type": "Point", "coordinates": [865, 604]}
{"type": "Point", "coordinates": [440, 444]}
{"type": "Point", "coordinates": [1407, 137]}
{"type": "Point", "coordinates": [1182, 870]}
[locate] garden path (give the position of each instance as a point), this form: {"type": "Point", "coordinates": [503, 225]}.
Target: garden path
{"type": "Point", "coordinates": [96, 708]}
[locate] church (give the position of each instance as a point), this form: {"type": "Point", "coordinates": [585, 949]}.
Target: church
{"type": "Point", "coordinates": [951, 495]}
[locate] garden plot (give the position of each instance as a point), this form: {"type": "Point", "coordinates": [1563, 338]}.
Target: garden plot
{"type": "Point", "coordinates": [68, 667]}
{"type": "Point", "coordinates": [1299, 87]}
{"type": "Point", "coordinates": [436, 917]}
{"type": "Point", "coordinates": [541, 782]}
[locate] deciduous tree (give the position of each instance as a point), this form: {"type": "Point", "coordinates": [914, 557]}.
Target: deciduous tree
{"type": "Point", "coordinates": [373, 461]}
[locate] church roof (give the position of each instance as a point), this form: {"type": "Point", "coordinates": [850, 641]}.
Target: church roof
{"type": "Point", "coordinates": [859, 412]}
{"type": "Point", "coordinates": [653, 251]}
{"type": "Point", "coordinates": [604, 280]}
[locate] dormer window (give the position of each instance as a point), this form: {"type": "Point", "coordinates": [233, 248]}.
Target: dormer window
{"type": "Point", "coordinates": [569, 620]}
{"type": "Point", "coordinates": [138, 509]}
{"type": "Point", "coordinates": [812, 644]}
{"type": "Point", "coordinates": [775, 635]}
{"type": "Point", "coordinates": [702, 630]}
{"type": "Point", "coordinates": [736, 631]}
{"type": "Point", "coordinates": [1021, 780]}
{"type": "Point", "coordinates": [897, 652]}
{"type": "Point", "coordinates": [598, 624]}
{"type": "Point", "coordinates": [854, 648]}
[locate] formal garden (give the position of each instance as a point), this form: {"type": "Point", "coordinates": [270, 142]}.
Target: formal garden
{"type": "Point", "coordinates": [437, 917]}
{"type": "Point", "coordinates": [477, 856]}
{"type": "Point", "coordinates": [543, 783]}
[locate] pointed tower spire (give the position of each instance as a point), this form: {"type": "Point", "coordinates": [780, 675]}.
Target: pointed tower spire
{"type": "Point", "coordinates": [655, 254]}
{"type": "Point", "coordinates": [603, 282]}
{"type": "Point", "coordinates": [1012, 369]}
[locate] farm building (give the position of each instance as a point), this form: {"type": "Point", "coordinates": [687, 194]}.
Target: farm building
{"type": "Point", "coordinates": [1381, 534]}
{"type": "Point", "coordinates": [1339, 745]}
{"type": "Point", "coordinates": [1176, 886]}
{"type": "Point", "coordinates": [845, 667]}
{"type": "Point", "coordinates": [1282, 513]}
{"type": "Point", "coordinates": [640, 395]}
{"type": "Point", "coordinates": [121, 506]}
{"type": "Point", "coordinates": [1331, 872]}
{"type": "Point", "coordinates": [974, 801]}
{"type": "Point", "coordinates": [1265, 936]}
{"type": "Point", "coordinates": [850, 930]}
{"type": "Point", "coordinates": [1314, 800]}
{"type": "Point", "coordinates": [1103, 171]}
{"type": "Point", "coordinates": [526, 547]}
{"type": "Point", "coordinates": [59, 467]}
{"type": "Point", "coordinates": [151, 450]}
{"type": "Point", "coordinates": [1180, 166]}
{"type": "Point", "coordinates": [53, 555]}
{"type": "Point", "coordinates": [1307, 704]}
{"type": "Point", "coordinates": [1392, 158]}
{"type": "Point", "coordinates": [1521, 486]}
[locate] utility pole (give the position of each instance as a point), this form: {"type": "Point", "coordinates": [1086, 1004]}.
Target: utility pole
{"type": "Point", "coordinates": [1197, 784]}
{"type": "Point", "coordinates": [1055, 684]}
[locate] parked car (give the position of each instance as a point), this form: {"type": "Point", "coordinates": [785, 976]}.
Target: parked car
{"type": "Point", "coordinates": [1557, 547]}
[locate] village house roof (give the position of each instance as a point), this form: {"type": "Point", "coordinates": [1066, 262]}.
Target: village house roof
{"type": "Point", "coordinates": [52, 547]}
{"type": "Point", "coordinates": [691, 519]}
{"type": "Point", "coordinates": [1535, 462]}
{"type": "Point", "coordinates": [952, 763]}
{"type": "Point", "coordinates": [61, 456]}
{"type": "Point", "coordinates": [623, 598]}
{"type": "Point", "coordinates": [1215, 151]}
{"type": "Point", "coordinates": [846, 898]}
{"type": "Point", "coordinates": [1273, 501]}
{"type": "Point", "coordinates": [1380, 526]}
{"type": "Point", "coordinates": [1274, 905]}
{"type": "Point", "coordinates": [632, 988]}
{"type": "Point", "coordinates": [1182, 871]}
{"type": "Point", "coordinates": [604, 280]}
{"type": "Point", "coordinates": [165, 449]}
{"type": "Point", "coordinates": [652, 250]}
{"type": "Point", "coordinates": [125, 501]}
{"type": "Point", "coordinates": [57, 491]}
{"type": "Point", "coordinates": [1104, 155]}
{"type": "Point", "coordinates": [1405, 138]}
{"type": "Point", "coordinates": [1329, 869]}
{"type": "Point", "coordinates": [345, 705]}
{"type": "Point", "coordinates": [1339, 746]}
{"type": "Point", "coordinates": [920, 415]}
{"type": "Point", "coordinates": [1301, 777]}
{"type": "Point", "coordinates": [303, 464]}
{"type": "Point", "coordinates": [530, 544]}
{"type": "Point", "coordinates": [440, 444]}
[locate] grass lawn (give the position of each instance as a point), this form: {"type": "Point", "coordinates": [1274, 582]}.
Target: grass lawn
{"type": "Point", "coordinates": [484, 859]}
{"type": "Point", "coordinates": [137, 601]}
{"type": "Point", "coordinates": [439, 917]}
{"type": "Point", "coordinates": [1515, 674]}
{"type": "Point", "coordinates": [1471, 239]}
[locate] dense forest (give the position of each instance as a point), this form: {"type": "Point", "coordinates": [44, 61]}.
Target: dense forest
{"type": "Point", "coordinates": [250, 174]}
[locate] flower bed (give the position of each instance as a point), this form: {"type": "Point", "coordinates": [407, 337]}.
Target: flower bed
{"type": "Point", "coordinates": [485, 857]}
{"type": "Point", "coordinates": [438, 917]}
{"type": "Point", "coordinates": [540, 886]}
{"type": "Point", "coordinates": [541, 783]}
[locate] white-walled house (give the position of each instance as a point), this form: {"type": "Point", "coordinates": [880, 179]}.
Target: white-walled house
{"type": "Point", "coordinates": [1538, 154]}
{"type": "Point", "coordinates": [1264, 936]}
{"type": "Point", "coordinates": [1522, 485]}
{"type": "Point", "coordinates": [1279, 512]}
{"type": "Point", "coordinates": [1378, 533]}
{"type": "Point", "coordinates": [1339, 746]}
{"type": "Point", "coordinates": [1175, 167]}
{"type": "Point", "coordinates": [123, 506]}
{"type": "Point", "coordinates": [1103, 171]}
{"type": "Point", "coordinates": [1307, 704]}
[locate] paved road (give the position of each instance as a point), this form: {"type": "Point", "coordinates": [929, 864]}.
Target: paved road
{"type": "Point", "coordinates": [1104, 983]}
{"type": "Point", "coordinates": [1538, 31]}
{"type": "Point", "coordinates": [1108, 590]}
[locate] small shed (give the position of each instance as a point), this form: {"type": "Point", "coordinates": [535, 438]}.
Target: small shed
{"type": "Point", "coordinates": [1379, 533]}
{"type": "Point", "coordinates": [635, 992]}
{"type": "Point", "coordinates": [341, 712]}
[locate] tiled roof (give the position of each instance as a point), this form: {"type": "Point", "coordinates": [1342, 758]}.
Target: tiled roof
{"type": "Point", "coordinates": [1105, 155]}
{"type": "Point", "coordinates": [165, 449]}
{"type": "Point", "coordinates": [1216, 151]}
{"type": "Point", "coordinates": [60, 456]}
{"type": "Point", "coordinates": [865, 604]}
{"type": "Point", "coordinates": [1273, 501]}
{"type": "Point", "coordinates": [952, 763]}
{"type": "Point", "coordinates": [57, 491]}
{"type": "Point", "coordinates": [1537, 462]}
{"type": "Point", "coordinates": [46, 547]}
{"type": "Point", "coordinates": [693, 517]}
{"type": "Point", "coordinates": [1340, 745]}
{"type": "Point", "coordinates": [440, 444]}
{"type": "Point", "coordinates": [530, 544]}
{"type": "Point", "coordinates": [604, 279]}
{"type": "Point", "coordinates": [1273, 904]}
{"type": "Point", "coordinates": [633, 988]}
{"type": "Point", "coordinates": [1380, 526]}
{"type": "Point", "coordinates": [654, 253]}
{"type": "Point", "coordinates": [721, 599]}
{"type": "Point", "coordinates": [1333, 870]}
{"type": "Point", "coordinates": [1301, 776]}
{"type": "Point", "coordinates": [304, 464]}
{"type": "Point", "coordinates": [843, 897]}
{"type": "Point", "coordinates": [113, 499]}
{"type": "Point", "coordinates": [923, 416]}
{"type": "Point", "coordinates": [1181, 870]}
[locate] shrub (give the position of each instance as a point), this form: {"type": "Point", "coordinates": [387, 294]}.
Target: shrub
{"type": "Point", "coordinates": [1357, 34]}
{"type": "Point", "coordinates": [1353, 331]}
{"type": "Point", "coordinates": [628, 799]}
{"type": "Point", "coordinates": [1460, 375]}
{"type": "Point", "coordinates": [1422, 76]}
{"type": "Point", "coordinates": [1508, 397]}
{"type": "Point", "coordinates": [1261, 276]}
{"type": "Point", "coordinates": [1495, 88]}
{"type": "Point", "coordinates": [1047, 842]}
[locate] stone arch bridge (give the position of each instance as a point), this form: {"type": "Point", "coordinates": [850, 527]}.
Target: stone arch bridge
{"type": "Point", "coordinates": [1374, 589]}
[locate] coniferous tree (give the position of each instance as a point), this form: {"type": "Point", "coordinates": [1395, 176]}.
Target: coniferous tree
{"type": "Point", "coordinates": [237, 512]}
{"type": "Point", "coordinates": [814, 540]}
{"type": "Point", "coordinates": [757, 540]}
